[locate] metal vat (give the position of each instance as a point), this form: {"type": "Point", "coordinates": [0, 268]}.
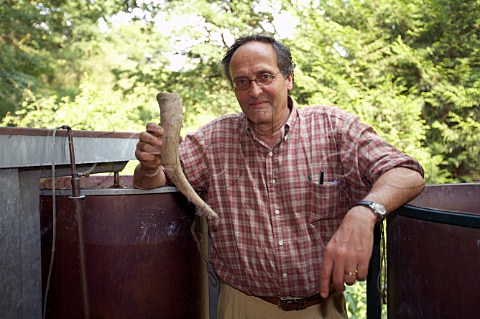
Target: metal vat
{"type": "Point", "coordinates": [141, 259]}
{"type": "Point", "coordinates": [433, 254]}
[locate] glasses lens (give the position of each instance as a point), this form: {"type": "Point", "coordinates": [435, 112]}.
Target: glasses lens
{"type": "Point", "coordinates": [261, 80]}
{"type": "Point", "coordinates": [264, 79]}
{"type": "Point", "coordinates": [241, 84]}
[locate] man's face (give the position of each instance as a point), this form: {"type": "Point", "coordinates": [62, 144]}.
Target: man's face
{"type": "Point", "coordinates": [262, 105]}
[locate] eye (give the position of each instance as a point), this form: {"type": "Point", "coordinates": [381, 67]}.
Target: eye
{"type": "Point", "coordinates": [265, 78]}
{"type": "Point", "coordinates": [240, 82]}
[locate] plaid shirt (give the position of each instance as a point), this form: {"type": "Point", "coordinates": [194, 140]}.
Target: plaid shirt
{"type": "Point", "coordinates": [275, 216]}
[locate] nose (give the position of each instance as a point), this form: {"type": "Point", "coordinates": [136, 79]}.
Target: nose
{"type": "Point", "coordinates": [254, 89]}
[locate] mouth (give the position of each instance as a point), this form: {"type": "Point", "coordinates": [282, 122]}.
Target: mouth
{"type": "Point", "coordinates": [259, 104]}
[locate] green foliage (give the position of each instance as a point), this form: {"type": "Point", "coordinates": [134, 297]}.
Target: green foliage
{"type": "Point", "coordinates": [355, 298]}
{"type": "Point", "coordinates": [447, 74]}
{"type": "Point", "coordinates": [22, 62]}
{"type": "Point", "coordinates": [90, 110]}
{"type": "Point", "coordinates": [43, 44]}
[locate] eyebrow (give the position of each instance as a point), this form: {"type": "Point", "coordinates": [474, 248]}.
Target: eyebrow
{"type": "Point", "coordinates": [256, 74]}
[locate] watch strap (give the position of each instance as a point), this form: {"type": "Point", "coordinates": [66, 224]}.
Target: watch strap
{"type": "Point", "coordinates": [380, 212]}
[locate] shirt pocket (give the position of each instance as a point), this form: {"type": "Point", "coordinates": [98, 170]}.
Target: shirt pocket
{"type": "Point", "coordinates": [316, 202]}
{"type": "Point", "coordinates": [326, 200]}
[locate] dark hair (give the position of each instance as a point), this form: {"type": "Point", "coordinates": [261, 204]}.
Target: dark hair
{"type": "Point", "coordinates": [284, 57]}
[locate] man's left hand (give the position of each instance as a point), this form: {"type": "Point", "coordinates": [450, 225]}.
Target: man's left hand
{"type": "Point", "coordinates": [348, 252]}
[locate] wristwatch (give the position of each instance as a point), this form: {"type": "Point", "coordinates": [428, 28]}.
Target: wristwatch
{"type": "Point", "coordinates": [376, 208]}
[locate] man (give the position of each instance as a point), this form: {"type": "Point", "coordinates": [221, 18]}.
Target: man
{"type": "Point", "coordinates": [298, 191]}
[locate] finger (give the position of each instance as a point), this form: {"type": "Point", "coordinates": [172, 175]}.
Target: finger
{"type": "Point", "coordinates": [148, 153]}
{"type": "Point", "coordinates": [154, 129]}
{"type": "Point", "coordinates": [362, 271]}
{"type": "Point", "coordinates": [151, 149]}
{"type": "Point", "coordinates": [143, 147]}
{"type": "Point", "coordinates": [325, 276]}
{"type": "Point", "coordinates": [338, 254]}
{"type": "Point", "coordinates": [148, 138]}
{"type": "Point", "coordinates": [148, 159]}
{"type": "Point", "coordinates": [339, 277]}
{"type": "Point", "coordinates": [350, 275]}
{"type": "Point", "coordinates": [351, 271]}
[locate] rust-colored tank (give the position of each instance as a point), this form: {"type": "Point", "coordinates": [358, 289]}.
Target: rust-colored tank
{"type": "Point", "coordinates": [141, 259]}
{"type": "Point", "coordinates": [433, 255]}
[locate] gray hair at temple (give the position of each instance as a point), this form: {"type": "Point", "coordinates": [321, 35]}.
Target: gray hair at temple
{"type": "Point", "coordinates": [284, 57]}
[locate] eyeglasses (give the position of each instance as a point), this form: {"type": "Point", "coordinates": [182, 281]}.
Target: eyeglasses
{"type": "Point", "coordinates": [263, 79]}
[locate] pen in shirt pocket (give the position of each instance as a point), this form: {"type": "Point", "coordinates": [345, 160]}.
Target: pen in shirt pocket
{"type": "Point", "coordinates": [321, 179]}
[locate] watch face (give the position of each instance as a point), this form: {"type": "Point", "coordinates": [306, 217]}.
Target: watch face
{"type": "Point", "coordinates": [379, 209]}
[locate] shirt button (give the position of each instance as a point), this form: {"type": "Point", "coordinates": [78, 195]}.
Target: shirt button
{"type": "Point", "coordinates": [270, 154]}
{"type": "Point", "coordinates": [273, 181]}
{"type": "Point", "coordinates": [277, 212]}
{"type": "Point", "coordinates": [284, 275]}
{"type": "Point", "coordinates": [280, 242]}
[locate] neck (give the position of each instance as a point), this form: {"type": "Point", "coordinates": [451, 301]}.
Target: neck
{"type": "Point", "coordinates": [272, 132]}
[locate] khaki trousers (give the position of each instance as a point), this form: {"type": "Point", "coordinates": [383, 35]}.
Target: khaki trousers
{"type": "Point", "coordinates": [234, 304]}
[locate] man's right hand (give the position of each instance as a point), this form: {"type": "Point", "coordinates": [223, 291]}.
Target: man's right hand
{"type": "Point", "coordinates": [149, 174]}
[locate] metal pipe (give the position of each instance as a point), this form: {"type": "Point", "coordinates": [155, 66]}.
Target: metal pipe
{"type": "Point", "coordinates": [76, 197]}
{"type": "Point", "coordinates": [116, 180]}
{"type": "Point", "coordinates": [374, 306]}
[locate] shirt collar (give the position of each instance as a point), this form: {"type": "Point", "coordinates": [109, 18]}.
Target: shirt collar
{"type": "Point", "coordinates": [292, 119]}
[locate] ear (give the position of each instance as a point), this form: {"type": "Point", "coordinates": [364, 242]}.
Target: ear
{"type": "Point", "coordinates": [290, 82]}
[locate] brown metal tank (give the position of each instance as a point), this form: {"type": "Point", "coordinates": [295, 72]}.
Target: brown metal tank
{"type": "Point", "coordinates": [433, 255]}
{"type": "Point", "coordinates": [141, 259]}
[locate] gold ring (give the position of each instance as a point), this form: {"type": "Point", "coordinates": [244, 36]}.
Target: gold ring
{"type": "Point", "coordinates": [352, 273]}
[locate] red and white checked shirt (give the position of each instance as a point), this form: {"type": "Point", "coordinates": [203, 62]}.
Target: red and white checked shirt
{"type": "Point", "coordinates": [275, 217]}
